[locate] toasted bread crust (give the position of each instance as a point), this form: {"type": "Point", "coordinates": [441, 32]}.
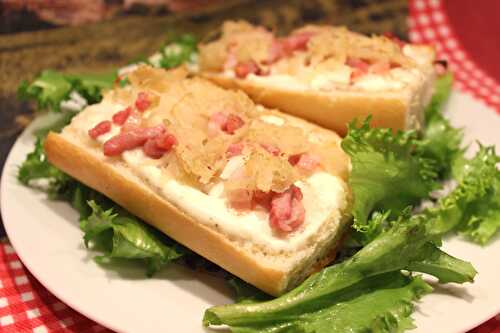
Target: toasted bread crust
{"type": "Point", "coordinates": [324, 109]}
{"type": "Point", "coordinates": [150, 207]}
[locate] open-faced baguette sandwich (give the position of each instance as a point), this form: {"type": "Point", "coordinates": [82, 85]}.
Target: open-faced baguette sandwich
{"type": "Point", "coordinates": [325, 74]}
{"type": "Point", "coordinates": [260, 193]}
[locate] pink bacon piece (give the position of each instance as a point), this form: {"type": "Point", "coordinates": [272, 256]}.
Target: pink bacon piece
{"type": "Point", "coordinates": [380, 67]}
{"type": "Point", "coordinates": [130, 140]}
{"type": "Point", "coordinates": [235, 149]}
{"type": "Point", "coordinates": [359, 67]}
{"type": "Point", "coordinates": [305, 161]}
{"type": "Point", "coordinates": [284, 47]}
{"type": "Point", "coordinates": [240, 199]}
{"type": "Point", "coordinates": [143, 102]}
{"type": "Point", "coordinates": [297, 42]}
{"type": "Point", "coordinates": [271, 149]}
{"type": "Point", "coordinates": [102, 128]}
{"type": "Point", "coordinates": [120, 117]}
{"type": "Point", "coordinates": [216, 122]}
{"type": "Point", "coordinates": [233, 123]}
{"type": "Point", "coordinates": [227, 123]}
{"type": "Point", "coordinates": [275, 52]}
{"type": "Point", "coordinates": [151, 150]}
{"type": "Point", "coordinates": [242, 70]}
{"type": "Point", "coordinates": [165, 141]}
{"type": "Point", "coordinates": [157, 147]}
{"type": "Point", "coordinates": [287, 210]}
{"type": "Point", "coordinates": [263, 199]}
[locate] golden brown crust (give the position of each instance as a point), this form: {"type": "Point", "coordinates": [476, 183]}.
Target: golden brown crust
{"type": "Point", "coordinates": [150, 207]}
{"type": "Point", "coordinates": [333, 112]}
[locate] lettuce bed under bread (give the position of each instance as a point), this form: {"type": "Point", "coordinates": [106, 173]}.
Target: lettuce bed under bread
{"type": "Point", "coordinates": [382, 298]}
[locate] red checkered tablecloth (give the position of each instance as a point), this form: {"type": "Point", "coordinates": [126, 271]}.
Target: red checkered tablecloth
{"type": "Point", "coordinates": [26, 306]}
{"type": "Point", "coordinates": [465, 33]}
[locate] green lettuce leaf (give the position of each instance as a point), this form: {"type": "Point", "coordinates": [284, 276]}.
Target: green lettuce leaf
{"type": "Point", "coordinates": [445, 267]}
{"type": "Point", "coordinates": [380, 304]}
{"type": "Point", "coordinates": [91, 85]}
{"type": "Point", "coordinates": [177, 51]}
{"type": "Point", "coordinates": [121, 236]}
{"type": "Point", "coordinates": [36, 166]}
{"type": "Point", "coordinates": [50, 88]}
{"type": "Point", "coordinates": [246, 293]}
{"type": "Point", "coordinates": [406, 244]}
{"type": "Point", "coordinates": [473, 207]}
{"type": "Point", "coordinates": [442, 91]}
{"type": "Point", "coordinates": [441, 141]}
{"type": "Point", "coordinates": [388, 173]}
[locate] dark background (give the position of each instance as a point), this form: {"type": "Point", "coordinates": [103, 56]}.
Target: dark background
{"type": "Point", "coordinates": [98, 35]}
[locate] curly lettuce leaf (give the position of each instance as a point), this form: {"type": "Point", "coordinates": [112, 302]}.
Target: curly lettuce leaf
{"type": "Point", "coordinates": [406, 244]}
{"type": "Point", "coordinates": [36, 166]}
{"type": "Point", "coordinates": [91, 85]}
{"type": "Point", "coordinates": [177, 51]}
{"type": "Point", "coordinates": [380, 304]}
{"type": "Point", "coordinates": [473, 207]}
{"type": "Point", "coordinates": [121, 236]}
{"type": "Point", "coordinates": [445, 267]}
{"type": "Point", "coordinates": [388, 174]}
{"type": "Point", "coordinates": [483, 221]}
{"type": "Point", "coordinates": [441, 141]}
{"type": "Point", "coordinates": [50, 88]}
{"type": "Point", "coordinates": [442, 91]}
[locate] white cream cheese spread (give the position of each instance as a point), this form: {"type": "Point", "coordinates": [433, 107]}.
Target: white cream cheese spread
{"type": "Point", "coordinates": [324, 195]}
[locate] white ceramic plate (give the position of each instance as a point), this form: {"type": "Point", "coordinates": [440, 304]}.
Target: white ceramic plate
{"type": "Point", "coordinates": [46, 237]}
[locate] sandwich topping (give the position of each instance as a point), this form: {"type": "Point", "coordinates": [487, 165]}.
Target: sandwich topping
{"type": "Point", "coordinates": [318, 57]}
{"type": "Point", "coordinates": [222, 146]}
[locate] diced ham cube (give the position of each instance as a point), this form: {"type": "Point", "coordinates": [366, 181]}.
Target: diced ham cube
{"type": "Point", "coordinates": [235, 149]}
{"type": "Point", "coordinates": [276, 52]}
{"type": "Point", "coordinates": [297, 42]}
{"type": "Point", "coordinates": [306, 162]}
{"type": "Point", "coordinates": [130, 140]}
{"type": "Point", "coordinates": [232, 124]}
{"type": "Point", "coordinates": [271, 149]}
{"type": "Point", "coordinates": [120, 117]}
{"type": "Point", "coordinates": [263, 198]}
{"type": "Point", "coordinates": [143, 101]}
{"type": "Point", "coordinates": [220, 121]}
{"type": "Point", "coordinates": [151, 149]}
{"type": "Point", "coordinates": [359, 67]}
{"type": "Point", "coordinates": [240, 199]}
{"type": "Point", "coordinates": [242, 70]}
{"type": "Point", "coordinates": [287, 210]}
{"type": "Point", "coordinates": [216, 122]}
{"type": "Point", "coordinates": [380, 67]}
{"type": "Point", "coordinates": [102, 128]}
{"type": "Point", "coordinates": [165, 141]}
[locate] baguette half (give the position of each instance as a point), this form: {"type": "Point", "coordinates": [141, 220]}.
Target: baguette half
{"type": "Point", "coordinates": [334, 77]}
{"type": "Point", "coordinates": [271, 269]}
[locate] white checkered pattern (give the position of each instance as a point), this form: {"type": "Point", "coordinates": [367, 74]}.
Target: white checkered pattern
{"type": "Point", "coordinates": [429, 24]}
